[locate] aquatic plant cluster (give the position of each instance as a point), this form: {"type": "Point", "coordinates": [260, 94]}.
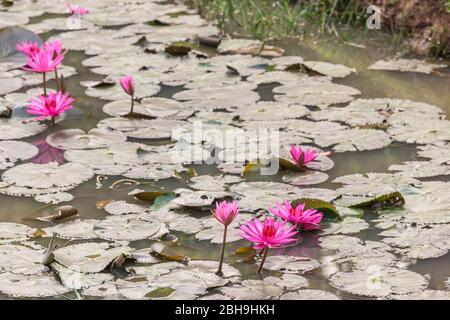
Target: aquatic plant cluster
{"type": "Point", "coordinates": [126, 211]}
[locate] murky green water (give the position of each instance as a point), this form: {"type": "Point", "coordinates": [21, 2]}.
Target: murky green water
{"type": "Point", "coordinates": [431, 89]}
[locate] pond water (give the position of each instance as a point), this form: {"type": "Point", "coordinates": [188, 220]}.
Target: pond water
{"type": "Point", "coordinates": [428, 88]}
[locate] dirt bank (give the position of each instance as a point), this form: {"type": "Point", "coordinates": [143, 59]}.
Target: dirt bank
{"type": "Point", "coordinates": [427, 22]}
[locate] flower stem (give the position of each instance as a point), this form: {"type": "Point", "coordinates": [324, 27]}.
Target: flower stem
{"type": "Point", "coordinates": [132, 104]}
{"type": "Point", "coordinates": [44, 83]}
{"type": "Point", "coordinates": [58, 85]}
{"type": "Point", "coordinates": [222, 252]}
{"type": "Point", "coordinates": [53, 121]}
{"type": "Point", "coordinates": [263, 259]}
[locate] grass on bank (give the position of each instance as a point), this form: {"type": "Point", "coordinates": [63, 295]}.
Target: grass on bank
{"type": "Point", "coordinates": [277, 19]}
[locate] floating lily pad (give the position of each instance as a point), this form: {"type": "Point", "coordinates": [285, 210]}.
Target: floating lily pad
{"type": "Point", "coordinates": [329, 69]}
{"type": "Point", "coordinates": [107, 289]}
{"type": "Point", "coordinates": [439, 154]}
{"type": "Point", "coordinates": [123, 154]}
{"type": "Point", "coordinates": [213, 183]}
{"type": "Point", "coordinates": [219, 97]}
{"type": "Point", "coordinates": [40, 285]}
{"type": "Point", "coordinates": [154, 171]}
{"type": "Point", "coordinates": [349, 225]}
{"type": "Point", "coordinates": [54, 198]}
{"type": "Point", "coordinates": [20, 259]}
{"type": "Point", "coordinates": [14, 151]}
{"type": "Point", "coordinates": [199, 199]}
{"type": "Point", "coordinates": [406, 65]}
{"type": "Point", "coordinates": [10, 232]}
{"type": "Point", "coordinates": [373, 184]}
{"type": "Point", "coordinates": [282, 77]}
{"type": "Point", "coordinates": [395, 108]}
{"type": "Point", "coordinates": [421, 132]}
{"type": "Point", "coordinates": [72, 139]}
{"type": "Point", "coordinates": [309, 294]}
{"type": "Point", "coordinates": [176, 222]}
{"type": "Point", "coordinates": [262, 111]}
{"type": "Point", "coordinates": [214, 230]}
{"type": "Point", "coordinates": [306, 178]}
{"type": "Point", "coordinates": [345, 245]}
{"type": "Point", "coordinates": [286, 62]}
{"type": "Point", "coordinates": [425, 295]}
{"type": "Point", "coordinates": [315, 92]}
{"type": "Point", "coordinates": [417, 242]}
{"type": "Point", "coordinates": [74, 280]}
{"type": "Point", "coordinates": [289, 281]}
{"type": "Point", "coordinates": [45, 176]}
{"type": "Point", "coordinates": [77, 229]}
{"type": "Point", "coordinates": [150, 107]}
{"type": "Point", "coordinates": [290, 264]}
{"type": "Point", "coordinates": [116, 92]}
{"type": "Point", "coordinates": [379, 283]}
{"type": "Point", "coordinates": [354, 140]}
{"type": "Point", "coordinates": [88, 257]}
{"type": "Point", "coordinates": [9, 19]}
{"type": "Point", "coordinates": [420, 169]}
{"type": "Point", "coordinates": [142, 128]}
{"type": "Point", "coordinates": [122, 207]}
{"type": "Point", "coordinates": [211, 78]}
{"type": "Point", "coordinates": [350, 117]}
{"type": "Point", "coordinates": [128, 227]}
{"type": "Point", "coordinates": [186, 282]}
{"type": "Point", "coordinates": [19, 128]}
{"type": "Point", "coordinates": [261, 195]}
{"type": "Point", "coordinates": [252, 290]}
{"type": "Point", "coordinates": [8, 85]}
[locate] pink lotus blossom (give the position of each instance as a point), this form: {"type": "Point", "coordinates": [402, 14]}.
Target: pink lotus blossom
{"type": "Point", "coordinates": [54, 49]}
{"type": "Point", "coordinates": [76, 10]}
{"type": "Point", "coordinates": [270, 234]}
{"type": "Point", "coordinates": [302, 157]}
{"type": "Point", "coordinates": [127, 84]}
{"type": "Point", "coordinates": [52, 105]}
{"type": "Point", "coordinates": [44, 61]}
{"type": "Point", "coordinates": [226, 212]}
{"type": "Point", "coordinates": [28, 48]}
{"type": "Point", "coordinates": [306, 219]}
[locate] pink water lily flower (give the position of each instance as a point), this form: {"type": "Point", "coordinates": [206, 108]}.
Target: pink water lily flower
{"type": "Point", "coordinates": [28, 48]}
{"type": "Point", "coordinates": [44, 61]}
{"type": "Point", "coordinates": [51, 106]}
{"type": "Point", "coordinates": [269, 234]}
{"type": "Point", "coordinates": [306, 219]}
{"type": "Point", "coordinates": [127, 84]}
{"type": "Point", "coordinates": [302, 157]}
{"type": "Point", "coordinates": [54, 49]}
{"type": "Point", "coordinates": [76, 10]}
{"type": "Point", "coordinates": [226, 212]}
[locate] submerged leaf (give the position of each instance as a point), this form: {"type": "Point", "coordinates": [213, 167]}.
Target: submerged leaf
{"type": "Point", "coordinates": [160, 293]}
{"type": "Point", "coordinates": [325, 207]}
{"type": "Point", "coordinates": [394, 199]}
{"type": "Point", "coordinates": [151, 196]}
